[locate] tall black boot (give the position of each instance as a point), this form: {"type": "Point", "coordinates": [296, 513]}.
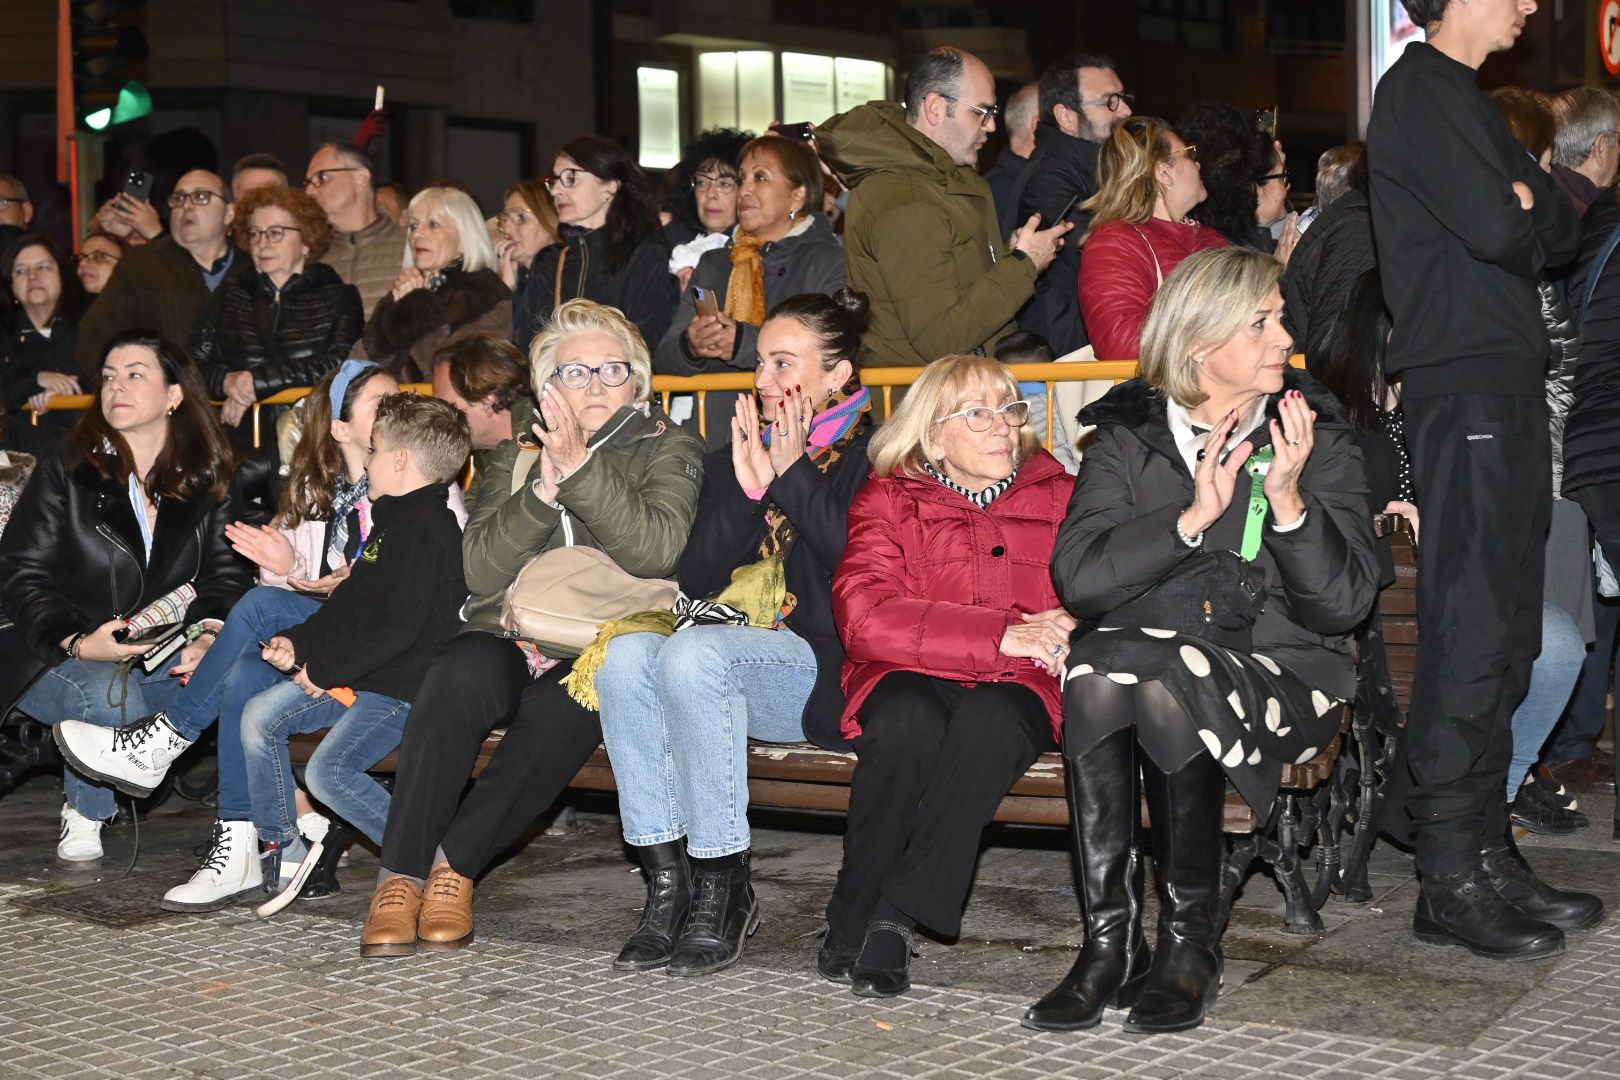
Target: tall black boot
{"type": "Point", "coordinates": [1184, 808]}
{"type": "Point", "coordinates": [723, 914]}
{"type": "Point", "coordinates": [669, 894]}
{"type": "Point", "coordinates": [1105, 826]}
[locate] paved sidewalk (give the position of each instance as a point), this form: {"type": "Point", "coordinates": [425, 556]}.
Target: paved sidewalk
{"type": "Point", "coordinates": [226, 995]}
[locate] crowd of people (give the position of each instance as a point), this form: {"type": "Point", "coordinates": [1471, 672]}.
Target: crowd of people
{"type": "Point", "coordinates": [1182, 605]}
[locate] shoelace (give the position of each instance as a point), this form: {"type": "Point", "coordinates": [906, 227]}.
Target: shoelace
{"type": "Point", "coordinates": [133, 738]}
{"type": "Point", "coordinates": [445, 886]}
{"type": "Point", "coordinates": [219, 849]}
{"type": "Point", "coordinates": [704, 913]}
{"type": "Point", "coordinates": [396, 894]}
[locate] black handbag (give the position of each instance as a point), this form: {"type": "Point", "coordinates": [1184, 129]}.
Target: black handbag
{"type": "Point", "coordinates": [1213, 595]}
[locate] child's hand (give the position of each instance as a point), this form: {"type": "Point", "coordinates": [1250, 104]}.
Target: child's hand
{"type": "Point", "coordinates": [278, 653]}
{"type": "Point", "coordinates": [321, 586]}
{"type": "Point", "coordinates": [301, 680]}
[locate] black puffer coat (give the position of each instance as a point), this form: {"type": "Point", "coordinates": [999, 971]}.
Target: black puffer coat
{"type": "Point", "coordinates": [288, 338]}
{"type": "Point", "coordinates": [71, 560]}
{"type": "Point", "coordinates": [1119, 539]}
{"type": "Point", "coordinates": [1592, 428]}
{"type": "Point", "coordinates": [1330, 258]}
{"type": "Point", "coordinates": [642, 286]}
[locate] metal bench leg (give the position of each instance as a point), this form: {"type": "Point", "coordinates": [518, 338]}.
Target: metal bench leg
{"type": "Point", "coordinates": [1241, 851]}
{"type": "Point", "coordinates": [1353, 885]}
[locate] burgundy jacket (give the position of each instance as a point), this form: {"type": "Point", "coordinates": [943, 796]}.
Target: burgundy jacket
{"type": "Point", "coordinates": [929, 581]}
{"type": "Point", "coordinates": [1118, 279]}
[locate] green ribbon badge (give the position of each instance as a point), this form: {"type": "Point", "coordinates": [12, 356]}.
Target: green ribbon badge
{"type": "Point", "coordinates": [1257, 466]}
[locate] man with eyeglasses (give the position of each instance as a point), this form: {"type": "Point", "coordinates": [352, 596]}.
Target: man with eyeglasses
{"type": "Point", "coordinates": [367, 247]}
{"type": "Point", "coordinates": [15, 209]}
{"type": "Point", "coordinates": [920, 233]}
{"type": "Point", "coordinates": [164, 285]}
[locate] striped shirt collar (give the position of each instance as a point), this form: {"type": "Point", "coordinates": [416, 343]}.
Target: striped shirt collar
{"type": "Point", "coordinates": [981, 499]}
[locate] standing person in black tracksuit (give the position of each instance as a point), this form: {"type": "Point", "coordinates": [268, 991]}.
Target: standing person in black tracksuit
{"type": "Point", "coordinates": [1465, 220]}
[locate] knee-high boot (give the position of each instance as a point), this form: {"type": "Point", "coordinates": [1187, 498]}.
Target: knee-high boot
{"type": "Point", "coordinates": [1184, 808]}
{"type": "Point", "coordinates": [1105, 823]}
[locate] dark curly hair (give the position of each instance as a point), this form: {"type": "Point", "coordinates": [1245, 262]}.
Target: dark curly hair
{"type": "Point", "coordinates": [717, 144]}
{"type": "Point", "coordinates": [1233, 154]}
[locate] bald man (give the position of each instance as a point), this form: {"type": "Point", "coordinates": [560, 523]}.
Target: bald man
{"type": "Point", "coordinates": [1023, 110]}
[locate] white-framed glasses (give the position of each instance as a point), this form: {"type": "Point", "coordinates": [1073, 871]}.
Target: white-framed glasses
{"type": "Point", "coordinates": [982, 417]}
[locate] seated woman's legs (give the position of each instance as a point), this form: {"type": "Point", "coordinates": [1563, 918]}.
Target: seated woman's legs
{"type": "Point", "coordinates": [337, 773]}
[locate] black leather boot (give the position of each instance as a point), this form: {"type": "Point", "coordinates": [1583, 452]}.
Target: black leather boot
{"type": "Point", "coordinates": [724, 913]}
{"type": "Point", "coordinates": [1184, 808]}
{"type": "Point", "coordinates": [323, 880]}
{"type": "Point", "coordinates": [1516, 883]}
{"type": "Point", "coordinates": [1105, 827]}
{"type": "Point", "coordinates": [1463, 909]}
{"type": "Point", "coordinates": [669, 894]}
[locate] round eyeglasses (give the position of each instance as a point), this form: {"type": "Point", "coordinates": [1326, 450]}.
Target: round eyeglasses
{"type": "Point", "coordinates": [724, 184]}
{"type": "Point", "coordinates": [578, 376]}
{"type": "Point", "coordinates": [273, 234]}
{"type": "Point", "coordinates": [982, 417]}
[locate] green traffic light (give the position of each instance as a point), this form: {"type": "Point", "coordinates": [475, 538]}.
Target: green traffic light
{"type": "Point", "coordinates": [134, 102]}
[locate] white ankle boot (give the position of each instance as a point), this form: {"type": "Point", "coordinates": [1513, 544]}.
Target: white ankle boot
{"type": "Point", "coordinates": [230, 871]}
{"type": "Point", "coordinates": [133, 759]}
{"type": "Point", "coordinates": [80, 841]}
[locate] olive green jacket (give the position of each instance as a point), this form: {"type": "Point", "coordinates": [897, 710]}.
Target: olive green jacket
{"type": "Point", "coordinates": [921, 241]}
{"type": "Point", "coordinates": [633, 498]}
{"type": "Point", "coordinates": [522, 414]}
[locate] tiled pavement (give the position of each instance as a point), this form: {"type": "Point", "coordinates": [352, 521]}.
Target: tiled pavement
{"type": "Point", "coordinates": [226, 995]}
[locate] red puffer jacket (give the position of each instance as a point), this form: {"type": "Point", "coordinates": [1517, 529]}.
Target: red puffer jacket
{"type": "Point", "coordinates": [1118, 278]}
{"type": "Point", "coordinates": [929, 582]}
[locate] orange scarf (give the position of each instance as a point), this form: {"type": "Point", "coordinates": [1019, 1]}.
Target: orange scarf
{"type": "Point", "coordinates": [745, 292]}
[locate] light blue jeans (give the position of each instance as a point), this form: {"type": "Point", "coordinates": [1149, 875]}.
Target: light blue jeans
{"type": "Point", "coordinates": [84, 690]}
{"type": "Point", "coordinates": [362, 734]}
{"type": "Point", "coordinates": [1552, 681]}
{"type": "Point", "coordinates": [677, 714]}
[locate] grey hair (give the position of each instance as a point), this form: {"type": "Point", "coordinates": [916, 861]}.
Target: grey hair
{"type": "Point", "coordinates": [352, 156]}
{"type": "Point", "coordinates": [1340, 169]}
{"type": "Point", "coordinates": [938, 72]}
{"type": "Point", "coordinates": [1584, 113]}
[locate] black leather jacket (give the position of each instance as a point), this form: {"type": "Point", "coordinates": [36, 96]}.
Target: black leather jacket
{"type": "Point", "coordinates": [71, 559]}
{"type": "Point", "coordinates": [288, 339]}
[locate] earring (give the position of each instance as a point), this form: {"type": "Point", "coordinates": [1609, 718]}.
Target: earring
{"type": "Point", "coordinates": [170, 412]}
{"type": "Point", "coordinates": [792, 214]}
{"type": "Point", "coordinates": [1199, 360]}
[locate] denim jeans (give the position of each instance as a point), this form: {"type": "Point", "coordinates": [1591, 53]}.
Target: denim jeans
{"type": "Point", "coordinates": [229, 676]}
{"type": "Point", "coordinates": [677, 714]}
{"type": "Point", "coordinates": [362, 734]}
{"type": "Point", "coordinates": [84, 690]}
{"type": "Point", "coordinates": [1552, 680]}
{"type": "Point", "coordinates": [1583, 719]}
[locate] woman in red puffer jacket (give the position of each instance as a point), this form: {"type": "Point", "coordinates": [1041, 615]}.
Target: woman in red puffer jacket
{"type": "Point", "coordinates": [954, 635]}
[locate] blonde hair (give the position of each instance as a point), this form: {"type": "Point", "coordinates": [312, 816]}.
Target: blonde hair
{"type": "Point", "coordinates": [458, 209]}
{"type": "Point", "coordinates": [1203, 303]}
{"type": "Point", "coordinates": [1127, 172]}
{"type": "Point", "coordinates": [901, 443]}
{"type": "Point", "coordinates": [589, 317]}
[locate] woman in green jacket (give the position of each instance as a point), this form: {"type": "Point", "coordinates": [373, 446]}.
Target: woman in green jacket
{"type": "Point", "coordinates": [611, 472]}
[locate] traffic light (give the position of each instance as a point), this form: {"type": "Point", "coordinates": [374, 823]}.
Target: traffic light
{"type": "Point", "coordinates": [106, 43]}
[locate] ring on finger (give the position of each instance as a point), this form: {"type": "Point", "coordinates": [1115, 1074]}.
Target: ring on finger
{"type": "Point", "coordinates": [1294, 442]}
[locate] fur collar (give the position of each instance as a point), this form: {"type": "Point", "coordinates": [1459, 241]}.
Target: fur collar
{"type": "Point", "coordinates": [463, 298]}
{"type": "Point", "coordinates": [1135, 403]}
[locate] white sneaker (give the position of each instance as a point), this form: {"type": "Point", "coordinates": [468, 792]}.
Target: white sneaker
{"type": "Point", "coordinates": [230, 871]}
{"type": "Point", "coordinates": [80, 841]}
{"type": "Point", "coordinates": [132, 759]}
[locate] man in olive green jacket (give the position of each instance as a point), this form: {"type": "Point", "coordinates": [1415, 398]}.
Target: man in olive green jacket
{"type": "Point", "coordinates": [920, 233]}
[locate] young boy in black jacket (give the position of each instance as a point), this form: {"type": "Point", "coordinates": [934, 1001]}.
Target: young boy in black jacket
{"type": "Point", "coordinates": [357, 663]}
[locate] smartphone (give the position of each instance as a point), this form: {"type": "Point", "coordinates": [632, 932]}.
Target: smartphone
{"type": "Point", "coordinates": [149, 636]}
{"type": "Point", "coordinates": [805, 131]}
{"type": "Point", "coordinates": [703, 299]}
{"type": "Point", "coordinates": [378, 102]}
{"type": "Point", "coordinates": [137, 185]}
{"type": "Point", "coordinates": [1063, 214]}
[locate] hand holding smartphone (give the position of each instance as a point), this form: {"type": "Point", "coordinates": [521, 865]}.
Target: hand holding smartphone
{"type": "Point", "coordinates": [704, 300]}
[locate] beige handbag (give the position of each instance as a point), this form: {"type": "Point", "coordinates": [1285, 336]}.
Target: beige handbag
{"type": "Point", "coordinates": [562, 597]}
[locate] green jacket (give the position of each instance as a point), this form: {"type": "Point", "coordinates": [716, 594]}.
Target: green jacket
{"type": "Point", "coordinates": [921, 241]}
{"type": "Point", "coordinates": [522, 415]}
{"type": "Point", "coordinates": [634, 498]}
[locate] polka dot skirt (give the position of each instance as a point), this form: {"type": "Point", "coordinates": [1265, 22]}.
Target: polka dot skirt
{"type": "Point", "coordinates": [1253, 714]}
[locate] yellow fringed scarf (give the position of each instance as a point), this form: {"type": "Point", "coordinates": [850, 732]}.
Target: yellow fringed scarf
{"type": "Point", "coordinates": [745, 292]}
{"type": "Point", "coordinates": [758, 590]}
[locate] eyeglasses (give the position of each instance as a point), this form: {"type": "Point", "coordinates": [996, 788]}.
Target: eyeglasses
{"type": "Point", "coordinates": [513, 217]}
{"type": "Point", "coordinates": [1111, 102]}
{"type": "Point", "coordinates": [981, 417]}
{"type": "Point", "coordinates": [578, 376]}
{"type": "Point", "coordinates": [320, 177]}
{"type": "Point", "coordinates": [988, 114]}
{"type": "Point", "coordinates": [1191, 150]}
{"type": "Point", "coordinates": [1283, 176]}
{"type": "Point", "coordinates": [273, 234]}
{"type": "Point", "coordinates": [95, 256]}
{"type": "Point", "coordinates": [199, 197]}
{"type": "Point", "coordinates": [7, 202]}
{"type": "Point", "coordinates": [725, 183]}
{"type": "Point", "coordinates": [565, 178]}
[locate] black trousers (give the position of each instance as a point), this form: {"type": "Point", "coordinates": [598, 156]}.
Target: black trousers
{"type": "Point", "coordinates": [936, 757]}
{"type": "Point", "coordinates": [480, 683]}
{"type": "Point", "coordinates": [1482, 469]}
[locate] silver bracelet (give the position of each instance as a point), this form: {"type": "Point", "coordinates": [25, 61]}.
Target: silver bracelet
{"type": "Point", "coordinates": [1181, 534]}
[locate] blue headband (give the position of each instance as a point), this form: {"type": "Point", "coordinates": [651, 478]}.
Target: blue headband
{"type": "Point", "coordinates": [340, 383]}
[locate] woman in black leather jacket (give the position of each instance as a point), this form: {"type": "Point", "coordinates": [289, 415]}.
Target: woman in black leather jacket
{"type": "Point", "coordinates": [133, 507]}
{"type": "Point", "coordinates": [285, 325]}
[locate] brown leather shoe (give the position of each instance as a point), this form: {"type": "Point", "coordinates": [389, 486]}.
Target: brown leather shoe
{"type": "Point", "coordinates": [446, 922]}
{"type": "Point", "coordinates": [1594, 772]}
{"type": "Point", "coordinates": [391, 927]}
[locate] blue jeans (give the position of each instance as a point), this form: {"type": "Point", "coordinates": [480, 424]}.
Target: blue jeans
{"type": "Point", "coordinates": [80, 690]}
{"type": "Point", "coordinates": [362, 734]}
{"type": "Point", "coordinates": [229, 676]}
{"type": "Point", "coordinates": [1583, 719]}
{"type": "Point", "coordinates": [1552, 680]}
{"type": "Point", "coordinates": [677, 714]}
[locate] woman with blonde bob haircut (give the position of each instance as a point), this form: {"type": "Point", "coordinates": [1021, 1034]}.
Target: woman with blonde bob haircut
{"type": "Point", "coordinates": [1148, 181]}
{"type": "Point", "coordinates": [448, 287]}
{"type": "Point", "coordinates": [1219, 554]}
{"type": "Point", "coordinates": [954, 637]}
{"type": "Point", "coordinates": [604, 469]}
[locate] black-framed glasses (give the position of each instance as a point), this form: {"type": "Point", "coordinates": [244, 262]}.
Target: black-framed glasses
{"type": "Point", "coordinates": [724, 183]}
{"type": "Point", "coordinates": [578, 376]}
{"type": "Point", "coordinates": [7, 202]}
{"type": "Point", "coordinates": [199, 197]}
{"type": "Point", "coordinates": [988, 114]}
{"type": "Point", "coordinates": [565, 178]}
{"type": "Point", "coordinates": [1283, 176]}
{"type": "Point", "coordinates": [1111, 102]}
{"type": "Point", "coordinates": [319, 178]}
{"type": "Point", "coordinates": [273, 233]}
{"type": "Point", "coordinates": [982, 417]}
{"type": "Point", "coordinates": [95, 256]}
